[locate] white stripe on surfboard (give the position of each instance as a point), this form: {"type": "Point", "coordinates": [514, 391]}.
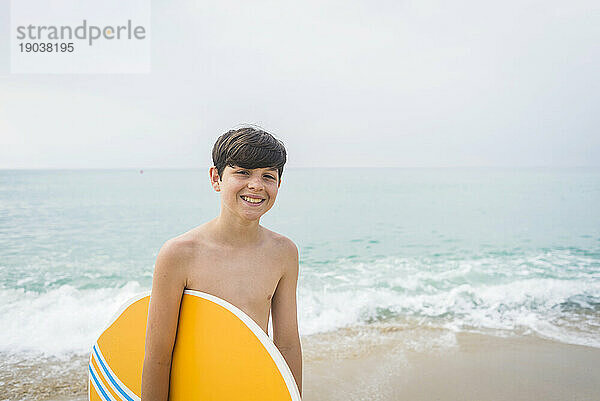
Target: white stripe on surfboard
{"type": "Point", "coordinates": [124, 393]}
{"type": "Point", "coordinates": [101, 390]}
{"type": "Point", "coordinates": [266, 341]}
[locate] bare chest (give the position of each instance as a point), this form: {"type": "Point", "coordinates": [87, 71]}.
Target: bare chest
{"type": "Point", "coordinates": [248, 282]}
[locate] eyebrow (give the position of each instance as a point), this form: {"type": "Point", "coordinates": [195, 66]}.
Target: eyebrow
{"type": "Point", "coordinates": [268, 168]}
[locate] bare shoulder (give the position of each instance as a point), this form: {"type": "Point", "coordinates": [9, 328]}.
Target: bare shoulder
{"type": "Point", "coordinates": [280, 243]}
{"type": "Point", "coordinates": [178, 248]}
{"type": "Point", "coordinates": [180, 251]}
{"type": "Point", "coordinates": [284, 249]}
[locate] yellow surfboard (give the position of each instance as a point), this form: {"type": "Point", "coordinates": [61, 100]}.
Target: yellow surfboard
{"type": "Point", "coordinates": [220, 354]}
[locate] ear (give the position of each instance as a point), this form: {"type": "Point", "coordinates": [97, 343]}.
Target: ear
{"type": "Point", "coordinates": [213, 174]}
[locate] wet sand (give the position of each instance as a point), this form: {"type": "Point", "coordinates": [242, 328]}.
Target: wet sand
{"type": "Point", "coordinates": [379, 363]}
{"type": "Point", "coordinates": [478, 367]}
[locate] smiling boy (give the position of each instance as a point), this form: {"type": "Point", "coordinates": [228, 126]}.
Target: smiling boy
{"type": "Point", "coordinates": [232, 257]}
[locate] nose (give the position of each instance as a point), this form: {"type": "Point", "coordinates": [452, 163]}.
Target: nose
{"type": "Point", "coordinates": [255, 183]}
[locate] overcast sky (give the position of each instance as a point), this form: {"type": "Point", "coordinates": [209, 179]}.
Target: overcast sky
{"type": "Point", "coordinates": [345, 83]}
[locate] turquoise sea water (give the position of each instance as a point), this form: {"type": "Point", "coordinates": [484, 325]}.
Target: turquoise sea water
{"type": "Point", "coordinates": [512, 251]}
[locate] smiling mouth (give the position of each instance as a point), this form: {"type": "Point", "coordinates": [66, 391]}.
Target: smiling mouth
{"type": "Point", "coordinates": [252, 201]}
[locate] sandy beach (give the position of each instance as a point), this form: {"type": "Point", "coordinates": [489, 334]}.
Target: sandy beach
{"type": "Point", "coordinates": [354, 364]}
{"type": "Point", "coordinates": [478, 367]}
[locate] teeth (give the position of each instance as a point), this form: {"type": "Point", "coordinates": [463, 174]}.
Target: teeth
{"type": "Point", "coordinates": [251, 200]}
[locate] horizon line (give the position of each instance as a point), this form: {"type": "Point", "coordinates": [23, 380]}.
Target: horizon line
{"type": "Point", "coordinates": [301, 167]}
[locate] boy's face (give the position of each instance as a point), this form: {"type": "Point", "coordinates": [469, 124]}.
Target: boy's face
{"type": "Point", "coordinates": [247, 192]}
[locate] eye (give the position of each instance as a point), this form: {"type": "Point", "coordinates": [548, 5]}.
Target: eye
{"type": "Point", "coordinates": [270, 176]}
{"type": "Point", "coordinates": [242, 172]}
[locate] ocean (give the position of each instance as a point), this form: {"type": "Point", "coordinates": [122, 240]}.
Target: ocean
{"type": "Point", "coordinates": [501, 251]}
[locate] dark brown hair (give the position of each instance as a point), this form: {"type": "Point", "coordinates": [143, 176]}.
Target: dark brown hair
{"type": "Point", "coordinates": [248, 147]}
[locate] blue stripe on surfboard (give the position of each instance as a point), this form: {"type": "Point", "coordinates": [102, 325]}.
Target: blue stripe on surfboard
{"type": "Point", "coordinates": [98, 385]}
{"type": "Point", "coordinates": [130, 395]}
{"type": "Point", "coordinates": [110, 377]}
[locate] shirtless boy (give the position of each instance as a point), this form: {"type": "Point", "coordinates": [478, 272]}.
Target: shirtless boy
{"type": "Point", "coordinates": [232, 257]}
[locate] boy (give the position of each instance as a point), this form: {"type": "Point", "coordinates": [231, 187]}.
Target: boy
{"type": "Point", "coordinates": [232, 257]}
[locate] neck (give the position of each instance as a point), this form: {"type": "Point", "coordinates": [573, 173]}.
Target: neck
{"type": "Point", "coordinates": [236, 232]}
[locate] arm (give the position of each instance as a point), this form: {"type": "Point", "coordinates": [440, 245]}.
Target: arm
{"type": "Point", "coordinates": [284, 314]}
{"type": "Point", "coordinates": [168, 284]}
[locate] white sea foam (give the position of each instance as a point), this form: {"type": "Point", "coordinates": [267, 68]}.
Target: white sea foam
{"type": "Point", "coordinates": [59, 322]}
{"type": "Point", "coordinates": [554, 295]}
{"type": "Point", "coordinates": [524, 295]}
